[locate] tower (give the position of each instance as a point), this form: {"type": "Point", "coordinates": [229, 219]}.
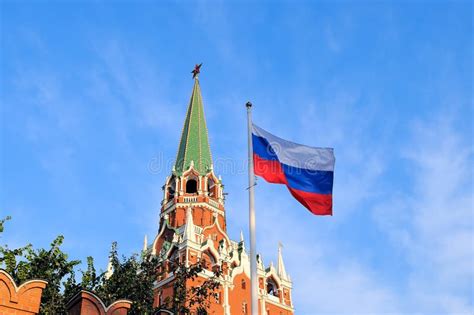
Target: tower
{"type": "Point", "coordinates": [192, 228]}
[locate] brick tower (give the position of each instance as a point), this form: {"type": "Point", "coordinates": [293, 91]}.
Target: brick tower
{"type": "Point", "coordinates": [192, 228]}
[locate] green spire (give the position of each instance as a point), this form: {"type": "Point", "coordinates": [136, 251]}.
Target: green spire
{"type": "Point", "coordinates": [194, 144]}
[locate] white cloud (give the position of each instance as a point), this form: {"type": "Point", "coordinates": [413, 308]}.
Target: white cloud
{"type": "Point", "coordinates": [130, 78]}
{"type": "Point", "coordinates": [345, 288]}
{"type": "Point", "coordinates": [433, 223]}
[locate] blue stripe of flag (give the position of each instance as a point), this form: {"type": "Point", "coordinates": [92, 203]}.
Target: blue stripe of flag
{"type": "Point", "coordinates": [319, 182]}
{"type": "Point", "coordinates": [262, 148]}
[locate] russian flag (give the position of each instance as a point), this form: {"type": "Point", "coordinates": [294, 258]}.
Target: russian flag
{"type": "Point", "coordinates": [307, 172]}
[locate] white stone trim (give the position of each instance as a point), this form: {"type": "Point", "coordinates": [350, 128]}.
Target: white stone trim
{"type": "Point", "coordinates": [17, 288]}
{"type": "Point", "coordinates": [165, 225]}
{"type": "Point", "coordinates": [206, 205]}
{"type": "Point", "coordinates": [216, 222]}
{"type": "Point", "coordinates": [283, 305]}
{"type": "Point", "coordinates": [164, 281]}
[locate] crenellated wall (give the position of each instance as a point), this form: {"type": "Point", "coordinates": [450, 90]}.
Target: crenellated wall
{"type": "Point", "coordinates": [19, 300]}
{"type": "Point", "coordinates": [87, 303]}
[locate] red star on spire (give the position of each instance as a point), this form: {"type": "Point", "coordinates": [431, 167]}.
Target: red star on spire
{"type": "Point", "coordinates": [197, 70]}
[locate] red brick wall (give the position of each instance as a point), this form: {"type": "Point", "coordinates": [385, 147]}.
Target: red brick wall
{"type": "Point", "coordinates": [87, 303]}
{"type": "Point", "coordinates": [240, 294]}
{"type": "Point", "coordinates": [21, 300]}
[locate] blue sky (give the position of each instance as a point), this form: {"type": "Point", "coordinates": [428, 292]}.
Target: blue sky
{"type": "Point", "coordinates": [93, 97]}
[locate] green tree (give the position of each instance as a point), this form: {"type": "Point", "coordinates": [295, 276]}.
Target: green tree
{"type": "Point", "coordinates": [2, 221]}
{"type": "Point", "coordinates": [51, 265]}
{"type": "Point", "coordinates": [89, 277]}
{"type": "Point", "coordinates": [70, 287]}
{"type": "Point", "coordinates": [132, 279]}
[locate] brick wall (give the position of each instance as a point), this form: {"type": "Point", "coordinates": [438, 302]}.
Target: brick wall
{"type": "Point", "coordinates": [22, 300]}
{"type": "Point", "coordinates": [87, 303]}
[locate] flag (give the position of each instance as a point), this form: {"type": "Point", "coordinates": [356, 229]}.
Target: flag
{"type": "Point", "coordinates": [307, 172]}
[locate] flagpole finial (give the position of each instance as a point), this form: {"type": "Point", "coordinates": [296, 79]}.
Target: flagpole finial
{"type": "Point", "coordinates": [248, 105]}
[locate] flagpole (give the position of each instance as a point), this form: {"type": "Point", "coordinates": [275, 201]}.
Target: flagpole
{"type": "Point", "coordinates": [253, 254]}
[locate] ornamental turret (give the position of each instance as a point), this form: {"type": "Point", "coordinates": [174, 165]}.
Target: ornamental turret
{"type": "Point", "coordinates": [281, 266]}
{"type": "Point", "coordinates": [189, 234]}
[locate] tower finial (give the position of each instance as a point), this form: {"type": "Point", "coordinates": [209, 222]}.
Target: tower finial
{"type": "Point", "coordinates": [145, 243]}
{"type": "Point", "coordinates": [281, 266]}
{"type": "Point", "coordinates": [189, 228]}
{"type": "Point", "coordinates": [196, 71]}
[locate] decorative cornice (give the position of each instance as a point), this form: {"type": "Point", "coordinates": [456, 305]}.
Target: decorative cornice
{"type": "Point", "coordinates": [206, 205]}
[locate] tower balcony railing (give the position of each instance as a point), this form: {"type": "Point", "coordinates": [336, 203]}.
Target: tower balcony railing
{"type": "Point", "coordinates": [191, 199]}
{"type": "Point", "coordinates": [273, 298]}
{"type": "Point", "coordinates": [197, 229]}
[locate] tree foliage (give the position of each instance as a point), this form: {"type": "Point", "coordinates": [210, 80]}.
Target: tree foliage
{"type": "Point", "coordinates": [2, 221]}
{"type": "Point", "coordinates": [51, 265]}
{"type": "Point", "coordinates": [90, 280]}
{"type": "Point", "coordinates": [133, 278]}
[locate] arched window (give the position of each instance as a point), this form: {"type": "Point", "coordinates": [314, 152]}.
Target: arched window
{"type": "Point", "coordinates": [191, 186]}
{"type": "Point", "coordinates": [272, 288]}
{"type": "Point", "coordinates": [171, 188]}
{"type": "Point", "coordinates": [244, 285]}
{"type": "Point", "coordinates": [212, 188]}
